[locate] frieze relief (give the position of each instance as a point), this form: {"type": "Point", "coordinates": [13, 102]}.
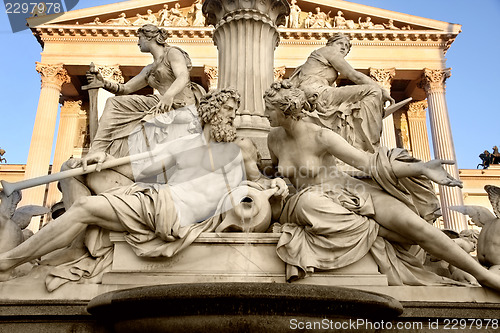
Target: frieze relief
{"type": "Point", "coordinates": [165, 17]}
{"type": "Point", "coordinates": [297, 19]}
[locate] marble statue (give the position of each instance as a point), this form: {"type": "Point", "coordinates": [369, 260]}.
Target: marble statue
{"type": "Point", "coordinates": [368, 24]}
{"type": "Point", "coordinates": [339, 21]}
{"type": "Point", "coordinates": [13, 220]}
{"type": "Point", "coordinates": [198, 20]}
{"type": "Point", "coordinates": [152, 19]}
{"type": "Point", "coordinates": [488, 247]}
{"type": "Point", "coordinates": [390, 25]}
{"type": "Point", "coordinates": [140, 20]}
{"type": "Point", "coordinates": [97, 21]}
{"type": "Point", "coordinates": [335, 219]}
{"type": "Point", "coordinates": [157, 219]}
{"type": "Point", "coordinates": [2, 159]}
{"type": "Point", "coordinates": [176, 99]}
{"type": "Point", "coordinates": [177, 18]}
{"type": "Point", "coordinates": [121, 20]}
{"type": "Point", "coordinates": [308, 21]}
{"type": "Point", "coordinates": [132, 124]}
{"type": "Point", "coordinates": [354, 111]}
{"type": "Point", "coordinates": [320, 19]}
{"type": "Point", "coordinates": [292, 21]}
{"type": "Point", "coordinates": [164, 15]}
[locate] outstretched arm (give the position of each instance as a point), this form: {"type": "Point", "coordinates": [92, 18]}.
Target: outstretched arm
{"type": "Point", "coordinates": [137, 82]}
{"type": "Point", "coordinates": [338, 147]}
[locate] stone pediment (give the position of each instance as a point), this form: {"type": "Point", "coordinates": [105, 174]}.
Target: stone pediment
{"type": "Point", "coordinates": [128, 13]}
{"type": "Point", "coordinates": [309, 22]}
{"type": "Point", "coordinates": [352, 16]}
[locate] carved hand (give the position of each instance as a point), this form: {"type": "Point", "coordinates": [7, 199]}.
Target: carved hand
{"type": "Point", "coordinates": [95, 79]}
{"type": "Point", "coordinates": [277, 183]}
{"type": "Point", "coordinates": [386, 96]}
{"type": "Point", "coordinates": [434, 171]}
{"type": "Point", "coordinates": [92, 158]}
{"type": "Point", "coordinates": [164, 105]}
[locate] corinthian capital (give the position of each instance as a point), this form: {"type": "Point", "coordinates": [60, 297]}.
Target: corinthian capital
{"type": "Point", "coordinates": [71, 108]}
{"type": "Point", "coordinates": [212, 74]}
{"type": "Point", "coordinates": [383, 76]}
{"type": "Point", "coordinates": [279, 73]}
{"type": "Point", "coordinates": [53, 74]}
{"type": "Point", "coordinates": [111, 72]}
{"type": "Point", "coordinates": [433, 80]}
{"type": "Point", "coordinates": [416, 110]}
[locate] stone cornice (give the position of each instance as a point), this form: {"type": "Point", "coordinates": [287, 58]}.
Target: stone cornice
{"type": "Point", "coordinates": [288, 36]}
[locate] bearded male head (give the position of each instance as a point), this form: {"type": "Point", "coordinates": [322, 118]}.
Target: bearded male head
{"type": "Point", "coordinates": [218, 109]}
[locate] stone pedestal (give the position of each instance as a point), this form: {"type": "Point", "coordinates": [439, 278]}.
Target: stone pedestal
{"type": "Point", "coordinates": [246, 35]}
{"type": "Point", "coordinates": [433, 82]}
{"type": "Point", "coordinates": [228, 257]}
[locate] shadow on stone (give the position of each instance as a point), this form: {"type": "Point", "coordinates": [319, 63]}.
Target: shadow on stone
{"type": "Point", "coordinates": [230, 307]}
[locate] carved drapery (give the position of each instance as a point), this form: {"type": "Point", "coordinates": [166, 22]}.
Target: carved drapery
{"type": "Point", "coordinates": [384, 78]}
{"type": "Point", "coordinates": [433, 82]}
{"type": "Point", "coordinates": [53, 76]}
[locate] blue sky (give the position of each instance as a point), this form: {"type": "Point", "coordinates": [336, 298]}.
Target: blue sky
{"type": "Point", "coordinates": [471, 90]}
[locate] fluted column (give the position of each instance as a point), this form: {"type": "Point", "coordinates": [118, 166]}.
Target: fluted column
{"type": "Point", "coordinates": [433, 82]}
{"type": "Point", "coordinates": [417, 125]}
{"type": "Point", "coordinates": [246, 35]}
{"type": "Point", "coordinates": [212, 75]}
{"type": "Point", "coordinates": [53, 77]}
{"type": "Point", "coordinates": [384, 78]}
{"type": "Point", "coordinates": [67, 135]}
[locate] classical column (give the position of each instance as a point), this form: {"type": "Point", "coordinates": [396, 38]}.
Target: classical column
{"type": "Point", "coordinates": [384, 78]}
{"type": "Point", "coordinates": [417, 125]}
{"type": "Point", "coordinates": [67, 135]}
{"type": "Point", "coordinates": [212, 75]}
{"type": "Point", "coordinates": [53, 77]}
{"type": "Point", "coordinates": [246, 35]}
{"type": "Point", "coordinates": [433, 82]}
{"type": "Point", "coordinates": [108, 72]}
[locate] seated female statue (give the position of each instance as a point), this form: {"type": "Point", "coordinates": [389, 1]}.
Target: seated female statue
{"type": "Point", "coordinates": [335, 219]}
{"type": "Point", "coordinates": [132, 124]}
{"type": "Point", "coordinates": [354, 111]}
